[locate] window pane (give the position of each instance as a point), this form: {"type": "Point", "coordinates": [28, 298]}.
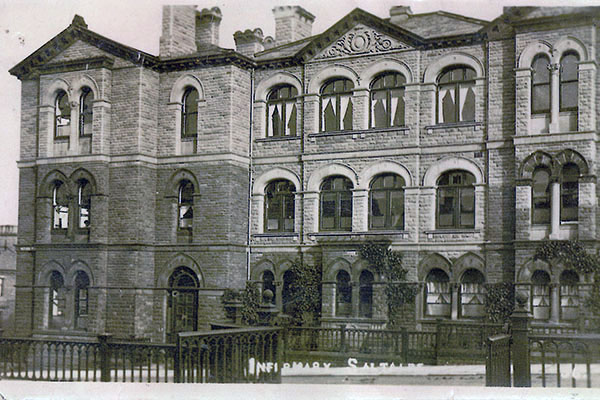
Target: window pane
{"type": "Point", "coordinates": [276, 120]}
{"type": "Point", "coordinates": [448, 110]}
{"type": "Point", "coordinates": [468, 107]}
{"type": "Point", "coordinates": [348, 114]}
{"type": "Point", "coordinates": [568, 95]}
{"type": "Point", "coordinates": [329, 115]}
{"type": "Point", "coordinates": [397, 209]}
{"type": "Point", "coordinates": [541, 73]}
{"type": "Point", "coordinates": [291, 126]}
{"type": "Point", "coordinates": [568, 68]}
{"type": "Point", "coordinates": [397, 107]}
{"type": "Point", "coordinates": [540, 98]}
{"type": "Point", "coordinates": [379, 110]}
{"type": "Point", "coordinates": [446, 204]}
{"type": "Point", "coordinates": [345, 210]}
{"type": "Point", "coordinates": [328, 210]}
{"type": "Point", "coordinates": [377, 209]}
{"type": "Point", "coordinates": [467, 207]}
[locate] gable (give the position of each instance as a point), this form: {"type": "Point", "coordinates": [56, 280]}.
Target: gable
{"type": "Point", "coordinates": [361, 40]}
{"type": "Point", "coordinates": [81, 50]}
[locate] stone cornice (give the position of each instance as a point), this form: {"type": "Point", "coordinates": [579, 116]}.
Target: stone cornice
{"type": "Point", "coordinates": [79, 64]}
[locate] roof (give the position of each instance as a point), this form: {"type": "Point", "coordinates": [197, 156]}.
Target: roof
{"type": "Point", "coordinates": [440, 24]}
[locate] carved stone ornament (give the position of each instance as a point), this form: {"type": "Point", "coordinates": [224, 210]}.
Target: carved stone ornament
{"type": "Point", "coordinates": [361, 40]}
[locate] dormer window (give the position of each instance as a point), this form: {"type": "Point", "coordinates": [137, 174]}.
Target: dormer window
{"type": "Point", "coordinates": [282, 111]}
{"type": "Point", "coordinates": [62, 115]}
{"type": "Point", "coordinates": [456, 95]}
{"type": "Point", "coordinates": [336, 105]}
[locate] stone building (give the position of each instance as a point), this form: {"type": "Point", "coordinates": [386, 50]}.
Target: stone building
{"type": "Point", "coordinates": [149, 184]}
{"type": "Point", "coordinates": [8, 268]}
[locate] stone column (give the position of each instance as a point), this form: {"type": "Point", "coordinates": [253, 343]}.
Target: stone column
{"type": "Point", "coordinates": [278, 294]}
{"type": "Point", "coordinates": [555, 210]}
{"type": "Point", "coordinates": [554, 97]}
{"type": "Point", "coordinates": [360, 210]}
{"type": "Point", "coordinates": [356, 298]}
{"type": "Point", "coordinates": [554, 302]}
{"type": "Point", "coordinates": [454, 304]}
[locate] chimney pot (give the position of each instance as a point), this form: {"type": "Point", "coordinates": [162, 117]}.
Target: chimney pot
{"type": "Point", "coordinates": [399, 14]}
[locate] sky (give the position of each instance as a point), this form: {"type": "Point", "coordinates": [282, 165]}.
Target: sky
{"type": "Point", "coordinates": [25, 25]}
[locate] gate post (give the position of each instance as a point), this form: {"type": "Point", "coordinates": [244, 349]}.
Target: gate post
{"type": "Point", "coordinates": [177, 361]}
{"type": "Point", "coordinates": [104, 357]}
{"type": "Point", "coordinates": [520, 349]}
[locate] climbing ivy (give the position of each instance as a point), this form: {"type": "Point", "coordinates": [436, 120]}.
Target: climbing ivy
{"type": "Point", "coordinates": [572, 253]}
{"type": "Point", "coordinates": [305, 292]}
{"type": "Point", "coordinates": [499, 301]}
{"type": "Point", "coordinates": [388, 264]}
{"type": "Point", "coordinates": [250, 304]}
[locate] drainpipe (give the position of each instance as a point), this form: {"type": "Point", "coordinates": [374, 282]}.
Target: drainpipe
{"type": "Point", "coordinates": [248, 250]}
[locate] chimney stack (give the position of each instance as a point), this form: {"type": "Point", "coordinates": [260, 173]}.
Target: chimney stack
{"type": "Point", "coordinates": [292, 23]}
{"type": "Point", "coordinates": [249, 42]}
{"type": "Point", "coordinates": [398, 14]}
{"type": "Point", "coordinates": [178, 30]}
{"type": "Point", "coordinates": [207, 26]}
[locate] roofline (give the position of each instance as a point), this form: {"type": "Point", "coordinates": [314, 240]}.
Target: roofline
{"type": "Point", "coordinates": [450, 14]}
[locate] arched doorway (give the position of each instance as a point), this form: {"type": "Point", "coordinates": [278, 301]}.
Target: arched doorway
{"type": "Point", "coordinates": [182, 302]}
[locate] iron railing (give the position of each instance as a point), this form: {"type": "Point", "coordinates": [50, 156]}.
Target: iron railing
{"type": "Point", "coordinates": [497, 365]}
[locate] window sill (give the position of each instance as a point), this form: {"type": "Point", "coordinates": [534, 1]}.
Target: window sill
{"type": "Point", "coordinates": [61, 138]}
{"type": "Point", "coordinates": [349, 236]}
{"type": "Point", "coordinates": [276, 138]}
{"type": "Point", "coordinates": [430, 234]}
{"type": "Point", "coordinates": [275, 234]}
{"type": "Point", "coordinates": [465, 124]}
{"type": "Point", "coordinates": [86, 136]}
{"type": "Point", "coordinates": [360, 132]}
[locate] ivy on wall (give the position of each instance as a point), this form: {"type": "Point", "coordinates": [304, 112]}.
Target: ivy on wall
{"type": "Point", "coordinates": [250, 304]}
{"type": "Point", "coordinates": [388, 264]}
{"type": "Point", "coordinates": [305, 293]}
{"type": "Point", "coordinates": [571, 253]}
{"type": "Point", "coordinates": [499, 301]}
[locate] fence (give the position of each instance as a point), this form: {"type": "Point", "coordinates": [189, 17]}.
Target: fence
{"type": "Point", "coordinates": [439, 341]}
{"type": "Point", "coordinates": [221, 356]}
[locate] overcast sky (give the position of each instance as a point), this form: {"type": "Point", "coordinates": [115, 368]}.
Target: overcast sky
{"type": "Point", "coordinates": [26, 25]}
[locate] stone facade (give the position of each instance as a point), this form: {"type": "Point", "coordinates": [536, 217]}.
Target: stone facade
{"type": "Point", "coordinates": [8, 269]}
{"type": "Point", "coordinates": [460, 136]}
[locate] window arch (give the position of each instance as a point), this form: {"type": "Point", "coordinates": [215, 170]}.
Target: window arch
{"type": "Point", "coordinates": [182, 302]}
{"type": "Point", "coordinates": [540, 294]}
{"type": "Point", "coordinates": [456, 200]}
{"type": "Point", "coordinates": [82, 284]}
{"type": "Point", "coordinates": [336, 204]}
{"type": "Point", "coordinates": [540, 85]}
{"type": "Point", "coordinates": [365, 295]}
{"type": "Point", "coordinates": [387, 100]}
{"type": "Point", "coordinates": [343, 298]}
{"type": "Point", "coordinates": [185, 204]}
{"type": "Point", "coordinates": [456, 94]}
{"type": "Point", "coordinates": [472, 293]}
{"type": "Point", "coordinates": [386, 202]}
{"type": "Point", "coordinates": [62, 115]}
{"type": "Point", "coordinates": [569, 192]}
{"type": "Point", "coordinates": [540, 195]}
{"type": "Point", "coordinates": [280, 206]}
{"type": "Point", "coordinates": [189, 113]}
{"type": "Point", "coordinates": [569, 295]}
{"type": "Point", "coordinates": [282, 111]}
{"type": "Point", "coordinates": [84, 201]}
{"type": "Point", "coordinates": [60, 205]}
{"type": "Point", "coordinates": [86, 112]}
{"type": "Point", "coordinates": [268, 283]}
{"type": "Point", "coordinates": [438, 293]}
{"type": "Point", "coordinates": [56, 301]}
{"type": "Point", "coordinates": [336, 105]}
{"type": "Point", "coordinates": [569, 85]}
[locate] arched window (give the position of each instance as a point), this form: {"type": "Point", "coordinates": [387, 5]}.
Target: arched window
{"type": "Point", "coordinates": [60, 205]}
{"type": "Point", "coordinates": [365, 296]}
{"type": "Point", "coordinates": [568, 82]}
{"type": "Point", "coordinates": [472, 294]}
{"type": "Point", "coordinates": [336, 105]}
{"type": "Point", "coordinates": [540, 196]}
{"type": "Point", "coordinates": [281, 111]}
{"type": "Point", "coordinates": [56, 301]}
{"type": "Point", "coordinates": [569, 192]}
{"type": "Point", "coordinates": [185, 204]}
{"type": "Point", "coordinates": [86, 112]}
{"type": "Point", "coordinates": [343, 294]}
{"type": "Point", "coordinates": [456, 200]}
{"type": "Point", "coordinates": [569, 295]}
{"type": "Point", "coordinates": [540, 295]}
{"type": "Point", "coordinates": [62, 115]}
{"type": "Point", "coordinates": [279, 206]}
{"type": "Point", "coordinates": [540, 85]}
{"type": "Point", "coordinates": [386, 202]}
{"type": "Point", "coordinates": [456, 94]}
{"type": "Point", "coordinates": [182, 313]}
{"type": "Point", "coordinates": [82, 283]}
{"type": "Point", "coordinates": [287, 299]}
{"type": "Point", "coordinates": [387, 100]}
{"type": "Point", "coordinates": [336, 204]}
{"type": "Point", "coordinates": [84, 196]}
{"type": "Point", "coordinates": [189, 113]}
{"type": "Point", "coordinates": [268, 280]}
{"type": "Point", "coordinates": [438, 294]}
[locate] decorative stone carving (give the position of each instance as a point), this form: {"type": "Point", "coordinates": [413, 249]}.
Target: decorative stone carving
{"type": "Point", "coordinates": [361, 40]}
